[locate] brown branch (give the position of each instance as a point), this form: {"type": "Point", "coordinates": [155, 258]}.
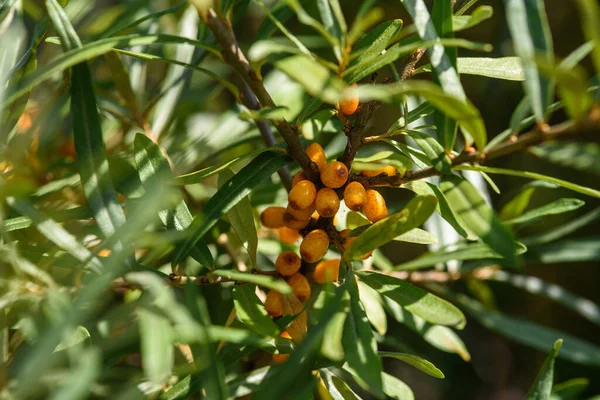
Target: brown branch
{"type": "Point", "coordinates": [408, 66]}
{"type": "Point", "coordinates": [532, 138]}
{"type": "Point", "coordinates": [235, 58]}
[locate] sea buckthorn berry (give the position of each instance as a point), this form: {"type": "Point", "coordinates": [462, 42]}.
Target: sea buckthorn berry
{"type": "Point", "coordinates": [375, 208]}
{"type": "Point", "coordinates": [280, 358]}
{"type": "Point", "coordinates": [349, 104]}
{"type": "Point", "coordinates": [288, 263]}
{"type": "Point", "coordinates": [273, 303]}
{"type": "Point", "coordinates": [300, 286]}
{"type": "Point", "coordinates": [289, 236]}
{"type": "Point", "coordinates": [273, 217]}
{"type": "Point", "coordinates": [334, 174]}
{"type": "Point", "coordinates": [302, 195]}
{"type": "Point", "coordinates": [349, 240]}
{"type": "Point", "coordinates": [388, 169]}
{"type": "Point", "coordinates": [355, 196]}
{"type": "Point", "coordinates": [303, 214]}
{"type": "Point", "coordinates": [327, 202]}
{"type": "Point", "coordinates": [294, 223]}
{"type": "Point", "coordinates": [298, 178]}
{"type": "Point", "coordinates": [327, 271]}
{"type": "Point", "coordinates": [316, 154]}
{"type": "Point", "coordinates": [314, 246]}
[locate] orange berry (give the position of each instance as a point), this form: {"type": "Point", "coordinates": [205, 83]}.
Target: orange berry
{"type": "Point", "coordinates": [327, 271]}
{"type": "Point", "coordinates": [375, 208]}
{"type": "Point", "coordinates": [300, 286]}
{"type": "Point", "coordinates": [314, 246]}
{"type": "Point", "coordinates": [289, 236]}
{"type": "Point", "coordinates": [349, 240]}
{"type": "Point", "coordinates": [273, 217]}
{"type": "Point", "coordinates": [298, 178]}
{"type": "Point", "coordinates": [285, 335]}
{"type": "Point", "coordinates": [303, 214]}
{"type": "Point", "coordinates": [288, 263]}
{"type": "Point", "coordinates": [388, 169]}
{"type": "Point", "coordinates": [280, 358]}
{"type": "Point", "coordinates": [327, 202]}
{"type": "Point", "coordinates": [349, 104]}
{"type": "Point", "coordinates": [294, 223]}
{"type": "Point", "coordinates": [316, 153]}
{"type": "Point", "coordinates": [334, 174]}
{"type": "Point", "coordinates": [302, 195]}
{"type": "Point", "coordinates": [273, 303]}
{"type": "Point", "coordinates": [355, 196]}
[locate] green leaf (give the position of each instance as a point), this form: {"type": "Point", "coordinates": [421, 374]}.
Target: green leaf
{"type": "Point", "coordinates": [251, 311]}
{"type": "Point", "coordinates": [556, 207]}
{"type": "Point", "coordinates": [359, 343]}
{"type": "Point", "coordinates": [569, 390]}
{"type": "Point", "coordinates": [528, 25]}
{"type": "Point", "coordinates": [531, 284]}
{"type": "Point", "coordinates": [583, 156]}
{"type": "Point", "coordinates": [234, 190]}
{"type": "Point", "coordinates": [414, 299]}
{"type": "Point", "coordinates": [573, 250]}
{"type": "Point", "coordinates": [395, 388]}
{"type": "Point", "coordinates": [89, 144]}
{"type": "Point", "coordinates": [480, 14]}
{"type": "Point", "coordinates": [153, 169]}
{"type": "Point", "coordinates": [562, 230]}
{"type": "Point", "coordinates": [508, 68]}
{"type": "Point", "coordinates": [433, 150]}
{"type": "Point", "coordinates": [331, 346]}
{"type": "Point", "coordinates": [532, 175]}
{"type": "Point", "coordinates": [79, 335]}
{"type": "Point", "coordinates": [530, 333]}
{"type": "Point", "coordinates": [256, 279]}
{"type": "Point", "coordinates": [332, 24]}
{"type": "Point", "coordinates": [590, 13]}
{"type": "Point", "coordinates": [518, 204]}
{"type": "Point", "coordinates": [542, 387]}
{"type": "Point", "coordinates": [377, 40]}
{"type": "Point", "coordinates": [466, 201]}
{"type": "Point", "coordinates": [418, 236]}
{"type": "Point", "coordinates": [470, 251]}
{"type": "Point", "coordinates": [413, 215]}
{"type": "Point", "coordinates": [371, 302]}
{"type": "Point", "coordinates": [338, 389]}
{"type": "Point", "coordinates": [416, 361]}
{"type": "Point", "coordinates": [241, 218]}
{"type": "Point", "coordinates": [381, 159]}
{"type": "Point", "coordinates": [156, 348]}
{"type": "Point", "coordinates": [463, 111]}
{"type": "Point", "coordinates": [86, 369]}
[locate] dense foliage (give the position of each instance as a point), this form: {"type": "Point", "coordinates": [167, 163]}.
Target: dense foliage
{"type": "Point", "coordinates": [186, 214]}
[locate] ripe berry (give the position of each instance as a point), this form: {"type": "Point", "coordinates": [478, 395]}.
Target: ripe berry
{"type": "Point", "coordinates": [388, 169]}
{"type": "Point", "coordinates": [355, 196]}
{"type": "Point", "coordinates": [273, 217]}
{"type": "Point", "coordinates": [294, 223]}
{"type": "Point", "coordinates": [349, 105]}
{"type": "Point", "coordinates": [327, 202]}
{"type": "Point", "coordinates": [273, 303]}
{"type": "Point", "coordinates": [316, 153]}
{"type": "Point", "coordinates": [300, 286]}
{"type": "Point", "coordinates": [314, 246]}
{"type": "Point", "coordinates": [375, 208]}
{"type": "Point", "coordinates": [334, 174]}
{"type": "Point", "coordinates": [327, 271]}
{"type": "Point", "coordinates": [288, 263]}
{"type": "Point", "coordinates": [302, 195]}
{"type": "Point", "coordinates": [303, 214]}
{"type": "Point", "coordinates": [298, 178]}
{"type": "Point", "coordinates": [349, 240]}
{"type": "Point", "coordinates": [289, 236]}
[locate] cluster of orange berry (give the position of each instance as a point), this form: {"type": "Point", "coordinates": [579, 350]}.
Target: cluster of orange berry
{"type": "Point", "coordinates": [307, 202]}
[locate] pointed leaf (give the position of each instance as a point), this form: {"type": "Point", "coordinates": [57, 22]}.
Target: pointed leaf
{"type": "Point", "coordinates": [556, 207]}
{"type": "Point", "coordinates": [252, 312]}
{"type": "Point", "coordinates": [416, 361]}
{"type": "Point", "coordinates": [371, 302]}
{"type": "Point", "coordinates": [542, 387]}
{"type": "Point", "coordinates": [395, 388]}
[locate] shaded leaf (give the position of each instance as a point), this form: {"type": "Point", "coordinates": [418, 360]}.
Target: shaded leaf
{"type": "Point", "coordinates": [395, 388]}
{"type": "Point", "coordinates": [416, 361]}
{"type": "Point", "coordinates": [480, 14]}
{"type": "Point", "coordinates": [574, 250]}
{"type": "Point", "coordinates": [583, 156]}
{"type": "Point", "coordinates": [251, 311]}
{"type": "Point", "coordinates": [556, 207]}
{"type": "Point", "coordinates": [542, 387]}
{"type": "Point", "coordinates": [371, 302]}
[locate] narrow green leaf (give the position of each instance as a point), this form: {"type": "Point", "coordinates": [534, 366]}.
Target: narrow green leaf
{"type": "Point", "coordinates": [556, 207]}
{"type": "Point", "coordinates": [418, 236]}
{"type": "Point", "coordinates": [153, 169]}
{"type": "Point", "coordinates": [416, 361]}
{"type": "Point", "coordinates": [590, 13]}
{"type": "Point", "coordinates": [433, 150]}
{"type": "Point", "coordinates": [574, 250]}
{"type": "Point", "coordinates": [562, 230]}
{"type": "Point", "coordinates": [331, 346]}
{"type": "Point", "coordinates": [79, 335]}
{"type": "Point", "coordinates": [509, 68]}
{"type": "Point", "coordinates": [466, 201]}
{"type": "Point", "coordinates": [463, 111]}
{"type": "Point", "coordinates": [251, 311]}
{"type": "Point", "coordinates": [395, 388]}
{"type": "Point", "coordinates": [359, 343]}
{"type": "Point", "coordinates": [542, 387]}
{"type": "Point", "coordinates": [528, 25]}
{"type": "Point", "coordinates": [413, 215]}
{"type": "Point", "coordinates": [381, 159]}
{"type": "Point", "coordinates": [377, 40]}
{"type": "Point", "coordinates": [338, 389]}
{"type": "Point", "coordinates": [256, 279]}
{"type": "Point", "coordinates": [371, 302]}
{"type": "Point", "coordinates": [414, 299]}
{"type": "Point", "coordinates": [234, 190]}
{"type": "Point", "coordinates": [583, 156]}
{"type": "Point", "coordinates": [532, 175]}
{"type": "Point", "coordinates": [156, 348]}
{"type": "Point", "coordinates": [82, 376]}
{"type": "Point", "coordinates": [569, 390]}
{"type": "Point", "coordinates": [331, 24]}
{"type": "Point", "coordinates": [241, 218]}
{"type": "Point", "coordinates": [480, 14]}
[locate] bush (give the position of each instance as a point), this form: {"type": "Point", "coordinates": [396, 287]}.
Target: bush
{"type": "Point", "coordinates": [189, 215]}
